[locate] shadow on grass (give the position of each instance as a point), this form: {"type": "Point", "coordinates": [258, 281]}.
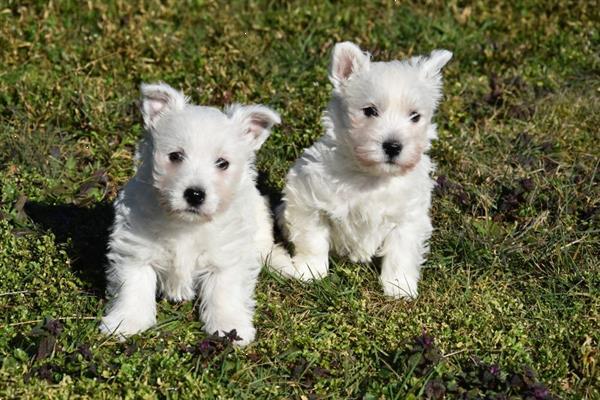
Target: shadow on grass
{"type": "Point", "coordinates": [267, 189]}
{"type": "Point", "coordinates": [275, 199]}
{"type": "Point", "coordinates": [84, 230]}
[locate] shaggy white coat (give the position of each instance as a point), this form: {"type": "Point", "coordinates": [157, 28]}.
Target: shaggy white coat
{"type": "Point", "coordinates": [161, 243]}
{"type": "Point", "coordinates": [345, 194]}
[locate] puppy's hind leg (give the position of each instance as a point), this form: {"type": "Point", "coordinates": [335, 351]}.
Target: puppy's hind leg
{"type": "Point", "coordinates": [178, 284]}
{"type": "Point", "coordinates": [403, 253]}
{"type": "Point", "coordinates": [309, 233]}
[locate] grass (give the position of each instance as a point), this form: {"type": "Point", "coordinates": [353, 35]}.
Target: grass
{"type": "Point", "coordinates": [512, 282]}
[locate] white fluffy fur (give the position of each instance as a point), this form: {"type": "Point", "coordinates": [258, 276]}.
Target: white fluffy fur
{"type": "Point", "coordinates": [345, 194]}
{"type": "Point", "coordinates": [161, 243]}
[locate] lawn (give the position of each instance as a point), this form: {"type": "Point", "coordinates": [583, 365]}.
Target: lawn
{"type": "Point", "coordinates": [509, 302]}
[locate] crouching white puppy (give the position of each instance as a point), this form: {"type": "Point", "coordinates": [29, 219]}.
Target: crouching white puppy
{"type": "Point", "coordinates": [364, 189]}
{"type": "Point", "coordinates": [191, 220]}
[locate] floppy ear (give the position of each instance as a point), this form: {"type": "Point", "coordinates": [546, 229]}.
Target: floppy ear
{"type": "Point", "coordinates": [256, 121]}
{"type": "Point", "coordinates": [432, 65]}
{"type": "Point", "coordinates": [346, 60]}
{"type": "Point", "coordinates": [159, 99]}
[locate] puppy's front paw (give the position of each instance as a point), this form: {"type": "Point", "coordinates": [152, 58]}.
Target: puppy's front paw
{"type": "Point", "coordinates": [308, 268]}
{"type": "Point", "coordinates": [123, 326]}
{"type": "Point", "coordinates": [246, 333]}
{"type": "Point", "coordinates": [400, 287]}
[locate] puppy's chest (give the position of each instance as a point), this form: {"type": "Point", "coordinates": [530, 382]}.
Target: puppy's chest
{"type": "Point", "coordinates": [205, 250]}
{"type": "Point", "coordinates": [185, 253]}
{"type": "Point", "coordinates": [360, 224]}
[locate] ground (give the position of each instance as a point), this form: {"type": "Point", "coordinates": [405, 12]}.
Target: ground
{"type": "Point", "coordinates": [509, 300]}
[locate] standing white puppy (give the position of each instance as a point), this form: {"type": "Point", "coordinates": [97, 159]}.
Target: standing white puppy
{"type": "Point", "coordinates": [191, 220]}
{"type": "Point", "coordinates": [364, 189]}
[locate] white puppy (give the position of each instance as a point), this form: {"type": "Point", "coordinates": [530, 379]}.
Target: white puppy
{"type": "Point", "coordinates": [191, 220]}
{"type": "Point", "coordinates": [364, 189]}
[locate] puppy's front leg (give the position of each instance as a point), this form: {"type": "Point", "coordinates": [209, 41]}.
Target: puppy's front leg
{"type": "Point", "coordinates": [403, 252]}
{"type": "Point", "coordinates": [310, 235]}
{"type": "Point", "coordinates": [228, 302]}
{"type": "Point", "coordinates": [133, 307]}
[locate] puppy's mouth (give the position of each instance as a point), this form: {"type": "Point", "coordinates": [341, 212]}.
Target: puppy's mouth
{"type": "Point", "coordinates": [197, 212]}
{"type": "Point", "coordinates": [387, 166]}
{"type": "Point", "coordinates": [193, 214]}
{"type": "Point", "coordinates": [397, 168]}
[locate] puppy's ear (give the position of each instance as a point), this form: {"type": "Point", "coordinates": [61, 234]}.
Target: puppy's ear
{"type": "Point", "coordinates": [256, 122]}
{"type": "Point", "coordinates": [159, 99]}
{"type": "Point", "coordinates": [433, 64]}
{"type": "Point", "coordinates": [346, 60]}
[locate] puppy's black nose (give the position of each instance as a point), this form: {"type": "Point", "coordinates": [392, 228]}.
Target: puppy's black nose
{"type": "Point", "coordinates": [392, 148]}
{"type": "Point", "coordinates": [194, 196]}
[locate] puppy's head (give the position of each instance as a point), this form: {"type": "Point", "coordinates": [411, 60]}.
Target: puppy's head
{"type": "Point", "coordinates": [385, 108]}
{"type": "Point", "coordinates": [199, 155]}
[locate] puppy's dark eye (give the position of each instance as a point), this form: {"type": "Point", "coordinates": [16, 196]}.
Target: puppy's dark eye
{"type": "Point", "coordinates": [222, 163]}
{"type": "Point", "coordinates": [370, 112]}
{"type": "Point", "coordinates": [414, 117]}
{"type": "Point", "coordinates": [176, 157]}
